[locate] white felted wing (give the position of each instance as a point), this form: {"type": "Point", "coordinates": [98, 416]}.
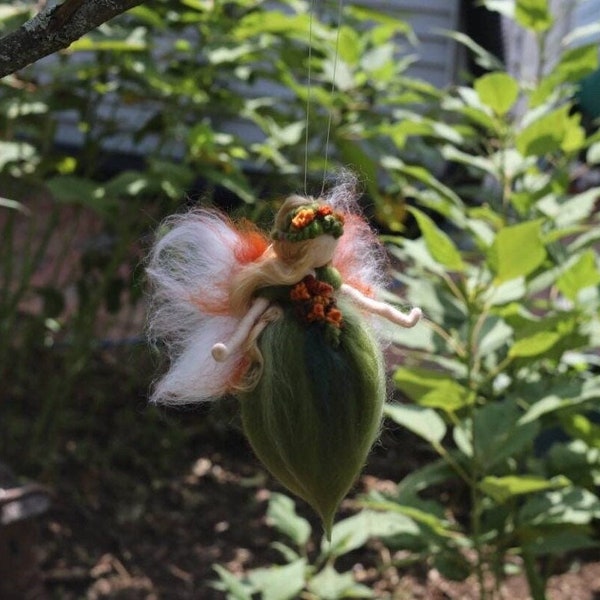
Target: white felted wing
{"type": "Point", "coordinates": [189, 270]}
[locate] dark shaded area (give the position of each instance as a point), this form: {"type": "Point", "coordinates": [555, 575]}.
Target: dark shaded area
{"type": "Point", "coordinates": [485, 28]}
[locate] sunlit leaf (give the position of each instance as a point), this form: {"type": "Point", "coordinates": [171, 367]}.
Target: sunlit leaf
{"type": "Point", "coordinates": [581, 274]}
{"type": "Point", "coordinates": [534, 345]}
{"type": "Point", "coordinates": [534, 14]}
{"type": "Point", "coordinates": [353, 532]}
{"type": "Point", "coordinates": [504, 488]}
{"type": "Point", "coordinates": [280, 582]}
{"type": "Point", "coordinates": [552, 132]}
{"type": "Point", "coordinates": [282, 515]}
{"type": "Point", "coordinates": [230, 583]}
{"type": "Point", "coordinates": [499, 91]}
{"type": "Point", "coordinates": [517, 251]}
{"type": "Point", "coordinates": [438, 243]}
{"type": "Point", "coordinates": [572, 505]}
{"type": "Point", "coordinates": [329, 584]}
{"type": "Point", "coordinates": [424, 422]}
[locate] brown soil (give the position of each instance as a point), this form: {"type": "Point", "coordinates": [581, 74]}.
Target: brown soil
{"type": "Point", "coordinates": [117, 533]}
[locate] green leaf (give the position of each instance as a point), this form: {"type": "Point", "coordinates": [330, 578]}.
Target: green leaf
{"type": "Point", "coordinates": [452, 564]}
{"type": "Point", "coordinates": [534, 345]}
{"type": "Point", "coordinates": [553, 132]}
{"type": "Point", "coordinates": [78, 190]}
{"type": "Point", "coordinates": [349, 45]}
{"type": "Point", "coordinates": [422, 516]}
{"type": "Point", "coordinates": [449, 396]}
{"type": "Point", "coordinates": [89, 44]}
{"type": "Point", "coordinates": [260, 22]}
{"type": "Point", "coordinates": [354, 532]}
{"type": "Point", "coordinates": [423, 176]}
{"type": "Point", "coordinates": [560, 543]}
{"type": "Point", "coordinates": [572, 505]}
{"type": "Point", "coordinates": [577, 458]}
{"type": "Point", "coordinates": [439, 244]}
{"type": "Point", "coordinates": [504, 488]}
{"type": "Point", "coordinates": [482, 163]}
{"type": "Point", "coordinates": [420, 384]}
{"type": "Point", "coordinates": [14, 205]}
{"type": "Point", "coordinates": [280, 582]}
{"type": "Point", "coordinates": [583, 273]}
{"type": "Point", "coordinates": [328, 584]}
{"type": "Point", "coordinates": [424, 422]}
{"type": "Point", "coordinates": [534, 15]}
{"type": "Point", "coordinates": [495, 333]}
{"type": "Point", "coordinates": [16, 152]}
{"type": "Point", "coordinates": [508, 291]}
{"type": "Point", "coordinates": [431, 474]}
{"type": "Point", "coordinates": [581, 33]}
{"type": "Point", "coordinates": [582, 428]}
{"type": "Point", "coordinates": [577, 63]}
{"type": "Point", "coordinates": [231, 584]}
{"type": "Point", "coordinates": [517, 251]}
{"type": "Point", "coordinates": [546, 405]}
{"type": "Point", "coordinates": [593, 154]}
{"type": "Point", "coordinates": [497, 434]}
{"type": "Point", "coordinates": [282, 515]}
{"type": "Point", "coordinates": [564, 396]}
{"type": "Point", "coordinates": [572, 211]}
{"type": "Point", "coordinates": [499, 91]}
{"type": "Point", "coordinates": [482, 57]}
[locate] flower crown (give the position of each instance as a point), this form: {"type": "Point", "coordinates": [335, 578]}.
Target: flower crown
{"type": "Point", "coordinates": [308, 222]}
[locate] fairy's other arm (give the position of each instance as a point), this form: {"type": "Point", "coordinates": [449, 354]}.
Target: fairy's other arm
{"type": "Point", "coordinates": [222, 351]}
{"type": "Point", "coordinates": [381, 308]}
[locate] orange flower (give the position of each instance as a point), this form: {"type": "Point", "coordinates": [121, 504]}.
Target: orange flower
{"type": "Point", "coordinates": [299, 293]}
{"type": "Point", "coordinates": [324, 210]}
{"type": "Point", "coordinates": [334, 316]}
{"type": "Point", "coordinates": [317, 313]}
{"type": "Point", "coordinates": [304, 217]}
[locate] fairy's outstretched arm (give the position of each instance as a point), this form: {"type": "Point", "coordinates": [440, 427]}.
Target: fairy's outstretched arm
{"type": "Point", "coordinates": [381, 308]}
{"type": "Point", "coordinates": [222, 351]}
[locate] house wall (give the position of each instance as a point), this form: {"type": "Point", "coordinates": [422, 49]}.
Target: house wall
{"type": "Point", "coordinates": [524, 60]}
{"type": "Point", "coordinates": [436, 54]}
{"type": "Point", "coordinates": [436, 63]}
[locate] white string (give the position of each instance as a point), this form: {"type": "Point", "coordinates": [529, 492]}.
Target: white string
{"type": "Point", "coordinates": [308, 95]}
{"type": "Point", "coordinates": [332, 91]}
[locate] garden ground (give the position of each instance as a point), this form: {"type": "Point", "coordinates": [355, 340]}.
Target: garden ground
{"type": "Point", "coordinates": [146, 502]}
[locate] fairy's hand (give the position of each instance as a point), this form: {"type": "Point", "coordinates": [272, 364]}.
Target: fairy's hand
{"type": "Point", "coordinates": [222, 351]}
{"type": "Point", "coordinates": [382, 309]}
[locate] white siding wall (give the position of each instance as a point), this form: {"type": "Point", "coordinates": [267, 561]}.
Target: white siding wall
{"type": "Point", "coordinates": [523, 57]}
{"type": "Point", "coordinates": [437, 54]}
{"type": "Point", "coordinates": [586, 13]}
{"type": "Point", "coordinates": [437, 64]}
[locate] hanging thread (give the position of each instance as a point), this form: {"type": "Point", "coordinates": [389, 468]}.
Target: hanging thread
{"type": "Point", "coordinates": [308, 95]}
{"type": "Point", "coordinates": [332, 91]}
{"type": "Point", "coordinates": [331, 94]}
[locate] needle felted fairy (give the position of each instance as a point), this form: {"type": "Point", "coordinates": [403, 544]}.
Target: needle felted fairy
{"type": "Point", "coordinates": [286, 325]}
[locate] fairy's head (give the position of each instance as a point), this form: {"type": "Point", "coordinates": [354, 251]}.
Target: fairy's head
{"type": "Point", "coordinates": [306, 230]}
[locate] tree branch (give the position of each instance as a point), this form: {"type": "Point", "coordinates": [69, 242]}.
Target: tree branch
{"type": "Point", "coordinates": [54, 29]}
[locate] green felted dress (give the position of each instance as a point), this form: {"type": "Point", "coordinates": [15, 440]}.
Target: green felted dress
{"type": "Point", "coordinates": [316, 410]}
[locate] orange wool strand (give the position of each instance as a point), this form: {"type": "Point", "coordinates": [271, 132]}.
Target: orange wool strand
{"type": "Point", "coordinates": [253, 243]}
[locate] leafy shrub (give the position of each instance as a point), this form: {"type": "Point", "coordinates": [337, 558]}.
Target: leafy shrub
{"type": "Point", "coordinates": [175, 98]}
{"type": "Point", "coordinates": [502, 379]}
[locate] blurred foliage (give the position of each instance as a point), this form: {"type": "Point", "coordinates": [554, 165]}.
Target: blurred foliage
{"type": "Point", "coordinates": [209, 99]}
{"type": "Point", "coordinates": [502, 378]}
{"type": "Point", "coordinates": [175, 99]}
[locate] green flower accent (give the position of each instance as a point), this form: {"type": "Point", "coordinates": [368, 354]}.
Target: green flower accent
{"type": "Point", "coordinates": [310, 221]}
